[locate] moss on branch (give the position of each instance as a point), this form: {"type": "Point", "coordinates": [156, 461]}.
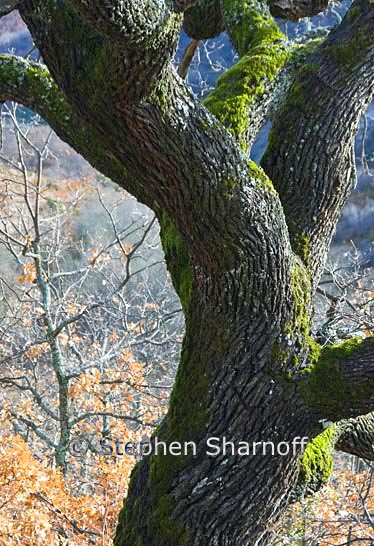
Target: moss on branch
{"type": "Point", "coordinates": [177, 258]}
{"type": "Point", "coordinates": [295, 347]}
{"type": "Point", "coordinates": [263, 50]}
{"type": "Point", "coordinates": [30, 84]}
{"type": "Point", "coordinates": [330, 388]}
{"type": "Point", "coordinates": [316, 464]}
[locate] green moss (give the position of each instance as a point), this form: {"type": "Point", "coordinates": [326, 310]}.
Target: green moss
{"type": "Point", "coordinates": [177, 258]}
{"type": "Point", "coordinates": [230, 184]}
{"type": "Point", "coordinates": [354, 13]}
{"type": "Point", "coordinates": [348, 53]}
{"type": "Point", "coordinates": [324, 385]}
{"type": "Point", "coordinates": [295, 99]}
{"type": "Point", "coordinates": [297, 328]}
{"type": "Point", "coordinates": [262, 180]}
{"type": "Point", "coordinates": [249, 24]}
{"type": "Point", "coordinates": [301, 245]}
{"type": "Point", "coordinates": [163, 529]}
{"type": "Point", "coordinates": [300, 242]}
{"type": "Point", "coordinates": [316, 463]}
{"type": "Point", "coordinates": [295, 349]}
{"type": "Point", "coordinates": [297, 331]}
{"type": "Point", "coordinates": [255, 173]}
{"type": "Point", "coordinates": [263, 50]}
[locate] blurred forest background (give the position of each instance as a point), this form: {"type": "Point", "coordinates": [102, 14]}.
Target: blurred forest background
{"type": "Point", "coordinates": [91, 328]}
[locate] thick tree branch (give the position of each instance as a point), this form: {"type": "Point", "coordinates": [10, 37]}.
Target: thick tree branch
{"type": "Point", "coordinates": [317, 124]}
{"type": "Point", "coordinates": [128, 21]}
{"type": "Point", "coordinates": [204, 20]}
{"type": "Point", "coordinates": [30, 84]}
{"type": "Point", "coordinates": [340, 385]}
{"type": "Point", "coordinates": [353, 436]}
{"type": "Point", "coordinates": [356, 436]}
{"type": "Point", "coordinates": [138, 58]}
{"type": "Point", "coordinates": [237, 100]}
{"type": "Point", "coordinates": [203, 174]}
{"type": "Point", "coordinates": [293, 10]}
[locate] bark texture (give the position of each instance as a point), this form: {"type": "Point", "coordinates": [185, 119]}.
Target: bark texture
{"type": "Point", "coordinates": [6, 6]}
{"type": "Point", "coordinates": [244, 246]}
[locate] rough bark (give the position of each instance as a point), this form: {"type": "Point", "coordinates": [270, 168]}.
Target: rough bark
{"type": "Point", "coordinates": [204, 20]}
{"type": "Point", "coordinates": [356, 436]}
{"type": "Point", "coordinates": [310, 158]}
{"type": "Point", "coordinates": [244, 258]}
{"type": "Point", "coordinates": [341, 382]}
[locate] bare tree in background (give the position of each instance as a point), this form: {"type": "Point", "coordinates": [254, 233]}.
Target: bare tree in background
{"type": "Point", "coordinates": [86, 326]}
{"type": "Point", "coordinates": [245, 247]}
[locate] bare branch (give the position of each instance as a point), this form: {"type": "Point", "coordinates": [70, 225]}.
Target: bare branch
{"type": "Point", "coordinates": [120, 416]}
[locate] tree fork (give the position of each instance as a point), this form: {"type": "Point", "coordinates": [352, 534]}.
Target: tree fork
{"type": "Point", "coordinates": [247, 294]}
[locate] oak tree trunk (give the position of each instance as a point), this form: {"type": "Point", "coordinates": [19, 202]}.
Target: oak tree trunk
{"type": "Point", "coordinates": [245, 246]}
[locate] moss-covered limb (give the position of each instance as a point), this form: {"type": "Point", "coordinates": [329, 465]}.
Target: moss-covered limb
{"type": "Point", "coordinates": [295, 349]}
{"type": "Point", "coordinates": [177, 259]}
{"type": "Point", "coordinates": [310, 154]}
{"type": "Point", "coordinates": [204, 20]}
{"type": "Point", "coordinates": [263, 50]}
{"type": "Point", "coordinates": [31, 84]}
{"type": "Point", "coordinates": [316, 464]}
{"type": "Point", "coordinates": [250, 24]}
{"type": "Point", "coordinates": [79, 60]}
{"type": "Point", "coordinates": [340, 384]}
{"type": "Point", "coordinates": [356, 436]}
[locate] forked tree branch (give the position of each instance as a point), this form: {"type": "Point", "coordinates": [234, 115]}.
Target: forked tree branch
{"type": "Point", "coordinates": [316, 126]}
